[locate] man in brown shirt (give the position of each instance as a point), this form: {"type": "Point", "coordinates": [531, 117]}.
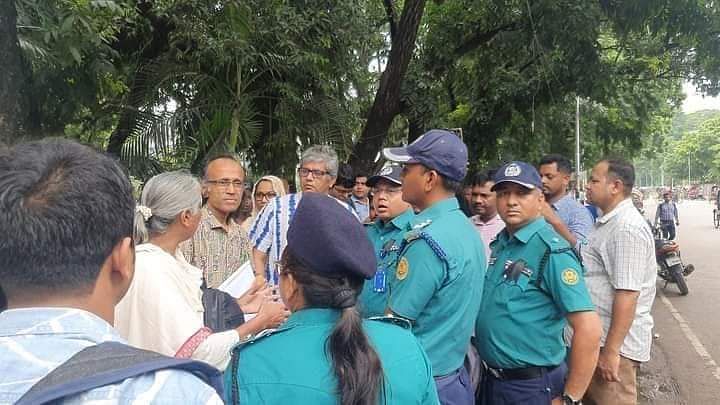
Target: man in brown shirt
{"type": "Point", "coordinates": [220, 246]}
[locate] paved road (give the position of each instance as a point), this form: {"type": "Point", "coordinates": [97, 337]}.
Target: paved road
{"type": "Point", "coordinates": [686, 351]}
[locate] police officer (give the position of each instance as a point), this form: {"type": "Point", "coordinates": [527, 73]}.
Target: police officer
{"type": "Point", "coordinates": [386, 234]}
{"type": "Point", "coordinates": [326, 353]}
{"type": "Point", "coordinates": [439, 275]}
{"type": "Point", "coordinates": [534, 287]}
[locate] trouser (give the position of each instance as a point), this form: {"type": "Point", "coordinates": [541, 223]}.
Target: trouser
{"type": "Point", "coordinates": [668, 229]}
{"type": "Point", "coordinates": [455, 388]}
{"type": "Point", "coordinates": [534, 391]}
{"type": "Point", "coordinates": [601, 392]}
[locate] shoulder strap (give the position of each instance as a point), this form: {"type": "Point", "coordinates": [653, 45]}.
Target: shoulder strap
{"type": "Point", "coordinates": [543, 265]}
{"type": "Point", "coordinates": [110, 363]}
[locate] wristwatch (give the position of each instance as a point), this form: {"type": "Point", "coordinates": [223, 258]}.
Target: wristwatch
{"type": "Point", "coordinates": [568, 400]}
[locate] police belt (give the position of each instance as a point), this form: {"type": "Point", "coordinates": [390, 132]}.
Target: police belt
{"type": "Point", "coordinates": [526, 373]}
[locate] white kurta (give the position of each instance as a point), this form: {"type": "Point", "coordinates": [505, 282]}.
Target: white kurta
{"type": "Point", "coordinates": [163, 308]}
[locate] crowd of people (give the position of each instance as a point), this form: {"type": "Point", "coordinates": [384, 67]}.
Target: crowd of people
{"type": "Point", "coordinates": [420, 283]}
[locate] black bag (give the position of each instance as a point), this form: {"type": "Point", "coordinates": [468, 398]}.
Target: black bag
{"type": "Point", "coordinates": [110, 363]}
{"type": "Point", "coordinates": [222, 311]}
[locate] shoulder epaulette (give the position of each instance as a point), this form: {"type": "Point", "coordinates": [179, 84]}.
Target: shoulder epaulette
{"type": "Point", "coordinates": [394, 320]}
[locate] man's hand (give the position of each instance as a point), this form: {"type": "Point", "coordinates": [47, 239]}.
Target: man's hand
{"type": "Point", "coordinates": [677, 223]}
{"type": "Point", "coordinates": [609, 365]}
{"type": "Point", "coordinates": [250, 302]}
{"type": "Point", "coordinates": [549, 213]}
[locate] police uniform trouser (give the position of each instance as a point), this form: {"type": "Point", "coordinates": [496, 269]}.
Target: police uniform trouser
{"type": "Point", "coordinates": [534, 391]}
{"type": "Point", "coordinates": [455, 388]}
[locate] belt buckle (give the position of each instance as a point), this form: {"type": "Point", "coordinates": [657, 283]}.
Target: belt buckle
{"type": "Point", "coordinates": [498, 374]}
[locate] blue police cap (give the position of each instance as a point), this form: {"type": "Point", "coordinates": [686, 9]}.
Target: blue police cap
{"type": "Point", "coordinates": [436, 149]}
{"type": "Point", "coordinates": [328, 239]}
{"type": "Point", "coordinates": [390, 173]}
{"type": "Point", "coordinates": [520, 173]}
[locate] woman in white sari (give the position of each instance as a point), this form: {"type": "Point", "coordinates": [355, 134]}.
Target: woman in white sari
{"type": "Point", "coordinates": [162, 311]}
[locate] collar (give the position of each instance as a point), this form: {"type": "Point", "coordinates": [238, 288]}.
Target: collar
{"type": "Point", "coordinates": [56, 321]}
{"type": "Point", "coordinates": [478, 221]}
{"type": "Point", "coordinates": [526, 232]}
{"type": "Point", "coordinates": [313, 316]}
{"type": "Point", "coordinates": [618, 208]}
{"type": "Point", "coordinates": [400, 222]}
{"type": "Point", "coordinates": [365, 201]}
{"type": "Point", "coordinates": [430, 213]}
{"type": "Point", "coordinates": [214, 223]}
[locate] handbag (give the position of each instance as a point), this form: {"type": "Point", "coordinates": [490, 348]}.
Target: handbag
{"type": "Point", "coordinates": [221, 310]}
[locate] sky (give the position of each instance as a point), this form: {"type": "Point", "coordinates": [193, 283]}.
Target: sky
{"type": "Point", "coordinates": [696, 102]}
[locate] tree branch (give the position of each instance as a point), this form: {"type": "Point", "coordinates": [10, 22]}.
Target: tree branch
{"type": "Point", "coordinates": [391, 16]}
{"type": "Point", "coordinates": [481, 38]}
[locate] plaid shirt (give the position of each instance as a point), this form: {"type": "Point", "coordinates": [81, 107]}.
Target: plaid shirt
{"type": "Point", "coordinates": [217, 252]}
{"type": "Point", "coordinates": [620, 255]}
{"type": "Point", "coordinates": [666, 212]}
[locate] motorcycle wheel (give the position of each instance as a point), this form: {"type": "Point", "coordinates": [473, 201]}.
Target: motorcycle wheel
{"type": "Point", "coordinates": [680, 280]}
{"type": "Point", "coordinates": [716, 215]}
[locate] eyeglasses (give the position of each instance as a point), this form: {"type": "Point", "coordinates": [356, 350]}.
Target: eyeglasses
{"type": "Point", "coordinates": [226, 183]}
{"type": "Point", "coordinates": [388, 191]}
{"type": "Point", "coordinates": [262, 196]}
{"type": "Point", "coordinates": [303, 172]}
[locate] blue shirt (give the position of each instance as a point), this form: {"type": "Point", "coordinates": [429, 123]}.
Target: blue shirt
{"type": "Point", "coordinates": [292, 365]}
{"type": "Point", "coordinates": [34, 341]}
{"type": "Point", "coordinates": [521, 320]}
{"type": "Point", "coordinates": [361, 207]}
{"type": "Point", "coordinates": [438, 282]}
{"type": "Point", "coordinates": [666, 212]}
{"type": "Point", "coordinates": [576, 217]}
{"type": "Point", "coordinates": [386, 239]}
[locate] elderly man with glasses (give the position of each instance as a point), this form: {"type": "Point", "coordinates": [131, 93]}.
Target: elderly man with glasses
{"type": "Point", "coordinates": [268, 234]}
{"type": "Point", "coordinates": [220, 246]}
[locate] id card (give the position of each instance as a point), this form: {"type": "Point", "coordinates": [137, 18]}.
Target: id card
{"type": "Point", "coordinates": [379, 281]}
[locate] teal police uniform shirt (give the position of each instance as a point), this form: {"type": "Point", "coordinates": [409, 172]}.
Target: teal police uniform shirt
{"type": "Point", "coordinates": [386, 239]}
{"type": "Point", "coordinates": [291, 365]}
{"type": "Point", "coordinates": [439, 281]}
{"type": "Point", "coordinates": [520, 324]}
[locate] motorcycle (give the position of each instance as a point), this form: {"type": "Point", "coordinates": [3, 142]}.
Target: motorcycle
{"type": "Point", "coordinates": [670, 265]}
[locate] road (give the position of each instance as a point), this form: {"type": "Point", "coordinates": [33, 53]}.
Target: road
{"type": "Point", "coordinates": [686, 350]}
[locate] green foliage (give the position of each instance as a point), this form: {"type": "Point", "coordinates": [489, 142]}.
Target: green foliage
{"type": "Point", "coordinates": [178, 80]}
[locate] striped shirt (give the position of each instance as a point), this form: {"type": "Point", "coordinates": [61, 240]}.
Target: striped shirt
{"type": "Point", "coordinates": [215, 251]}
{"type": "Point", "coordinates": [34, 341]}
{"type": "Point", "coordinates": [268, 233]}
{"type": "Point", "coordinates": [620, 255]}
{"type": "Point", "coordinates": [666, 212]}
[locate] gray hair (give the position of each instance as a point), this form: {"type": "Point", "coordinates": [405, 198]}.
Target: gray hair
{"type": "Point", "coordinates": [166, 195]}
{"type": "Point", "coordinates": [322, 153]}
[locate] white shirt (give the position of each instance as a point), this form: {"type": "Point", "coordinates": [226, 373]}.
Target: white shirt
{"type": "Point", "coordinates": [163, 309]}
{"type": "Point", "coordinates": [620, 255]}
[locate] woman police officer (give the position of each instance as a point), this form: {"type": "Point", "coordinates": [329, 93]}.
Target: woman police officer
{"type": "Point", "coordinates": [325, 353]}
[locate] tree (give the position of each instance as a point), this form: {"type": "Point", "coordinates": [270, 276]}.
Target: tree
{"type": "Point", "coordinates": [14, 103]}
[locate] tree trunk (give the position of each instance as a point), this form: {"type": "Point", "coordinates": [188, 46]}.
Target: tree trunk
{"type": "Point", "coordinates": [387, 99]}
{"type": "Point", "coordinates": [14, 79]}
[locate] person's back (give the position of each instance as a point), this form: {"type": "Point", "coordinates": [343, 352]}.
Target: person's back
{"type": "Point", "coordinates": [264, 377]}
{"type": "Point", "coordinates": [66, 259]}
{"type": "Point", "coordinates": [34, 341]}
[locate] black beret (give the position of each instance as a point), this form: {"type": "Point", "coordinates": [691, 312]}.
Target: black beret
{"type": "Point", "coordinates": [328, 239]}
